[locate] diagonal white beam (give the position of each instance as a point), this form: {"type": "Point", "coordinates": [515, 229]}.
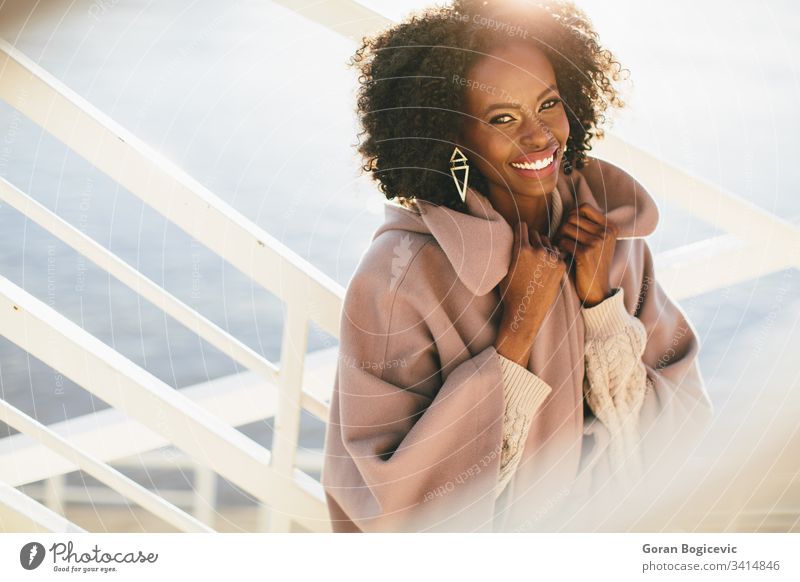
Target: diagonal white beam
{"type": "Point", "coordinates": [123, 272]}
{"type": "Point", "coordinates": [21, 514]}
{"type": "Point", "coordinates": [345, 17]}
{"type": "Point", "coordinates": [110, 435]}
{"type": "Point", "coordinates": [166, 188]}
{"type": "Point", "coordinates": [58, 342]}
{"type": "Point", "coordinates": [725, 210]}
{"type": "Point", "coordinates": [101, 471]}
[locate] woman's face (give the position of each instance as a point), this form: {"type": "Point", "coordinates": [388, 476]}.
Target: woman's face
{"type": "Point", "coordinates": [514, 121]}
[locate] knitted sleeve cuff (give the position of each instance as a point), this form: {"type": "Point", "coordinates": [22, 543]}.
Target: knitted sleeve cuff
{"type": "Point", "coordinates": [607, 317]}
{"type": "Point", "coordinates": [523, 393]}
{"type": "Point", "coordinates": [524, 390]}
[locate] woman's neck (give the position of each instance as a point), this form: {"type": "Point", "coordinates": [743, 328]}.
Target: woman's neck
{"type": "Point", "coordinates": [536, 211]}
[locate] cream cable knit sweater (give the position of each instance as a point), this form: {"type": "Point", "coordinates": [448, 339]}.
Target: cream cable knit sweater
{"type": "Point", "coordinates": [616, 380]}
{"type": "Point", "coordinates": [615, 384]}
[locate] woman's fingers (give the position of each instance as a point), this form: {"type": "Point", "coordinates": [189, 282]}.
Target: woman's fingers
{"type": "Point", "coordinates": [591, 218]}
{"type": "Point", "coordinates": [591, 212]}
{"type": "Point", "coordinates": [569, 231]}
{"type": "Point", "coordinates": [586, 224]}
{"type": "Point", "coordinates": [523, 234]}
{"type": "Point", "coordinates": [547, 243]}
{"type": "Point", "coordinates": [520, 235]}
{"type": "Point", "coordinates": [588, 211]}
{"type": "Point", "coordinates": [553, 249]}
{"type": "Point", "coordinates": [569, 245]}
{"type": "Point", "coordinates": [536, 239]}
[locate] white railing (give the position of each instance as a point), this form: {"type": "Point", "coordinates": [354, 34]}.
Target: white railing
{"type": "Point", "coordinates": [158, 415]}
{"type": "Point", "coordinates": [269, 476]}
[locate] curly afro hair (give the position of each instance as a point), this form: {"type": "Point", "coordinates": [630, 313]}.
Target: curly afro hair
{"type": "Point", "coordinates": [410, 110]}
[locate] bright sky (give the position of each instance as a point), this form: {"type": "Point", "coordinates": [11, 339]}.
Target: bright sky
{"type": "Point", "coordinates": [397, 10]}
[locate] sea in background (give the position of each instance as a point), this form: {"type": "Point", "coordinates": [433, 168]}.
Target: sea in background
{"type": "Point", "coordinates": [257, 104]}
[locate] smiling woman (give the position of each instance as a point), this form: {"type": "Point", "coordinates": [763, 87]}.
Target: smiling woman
{"type": "Point", "coordinates": [435, 75]}
{"type": "Point", "coordinates": [545, 365]}
{"type": "Point", "coordinates": [516, 146]}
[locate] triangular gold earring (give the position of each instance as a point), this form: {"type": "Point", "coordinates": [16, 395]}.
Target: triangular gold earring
{"type": "Point", "coordinates": [458, 162]}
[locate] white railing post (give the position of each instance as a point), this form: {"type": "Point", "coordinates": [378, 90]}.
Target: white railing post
{"type": "Point", "coordinates": [205, 494]}
{"type": "Point", "coordinates": [287, 418]}
{"type": "Point", "coordinates": [53, 493]}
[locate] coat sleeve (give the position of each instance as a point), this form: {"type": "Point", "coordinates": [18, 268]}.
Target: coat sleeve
{"type": "Point", "coordinates": [409, 446]}
{"type": "Point", "coordinates": [643, 375]}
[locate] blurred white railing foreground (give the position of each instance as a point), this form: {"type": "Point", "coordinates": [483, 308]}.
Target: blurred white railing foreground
{"type": "Point", "coordinates": [199, 421]}
{"type": "Point", "coordinates": [268, 475]}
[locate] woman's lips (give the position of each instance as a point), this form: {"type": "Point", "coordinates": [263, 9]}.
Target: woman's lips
{"type": "Point", "coordinates": [533, 157]}
{"type": "Point", "coordinates": [533, 173]}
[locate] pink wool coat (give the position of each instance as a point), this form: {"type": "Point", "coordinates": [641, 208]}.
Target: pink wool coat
{"type": "Point", "coordinates": [415, 430]}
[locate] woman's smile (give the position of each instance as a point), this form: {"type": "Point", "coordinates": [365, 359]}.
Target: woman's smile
{"type": "Point", "coordinates": [518, 140]}
{"type": "Point", "coordinates": [536, 165]}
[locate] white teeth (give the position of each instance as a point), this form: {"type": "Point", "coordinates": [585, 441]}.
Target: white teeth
{"type": "Point", "coordinates": [541, 164]}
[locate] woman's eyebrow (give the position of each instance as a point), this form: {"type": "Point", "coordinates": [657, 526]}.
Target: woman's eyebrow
{"type": "Point", "coordinates": [508, 105]}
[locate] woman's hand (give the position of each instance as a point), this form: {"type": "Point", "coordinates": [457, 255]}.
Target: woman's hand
{"type": "Point", "coordinates": [527, 291]}
{"type": "Point", "coordinates": [590, 237]}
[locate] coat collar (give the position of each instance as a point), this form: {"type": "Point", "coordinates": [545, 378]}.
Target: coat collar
{"type": "Point", "coordinates": [478, 243]}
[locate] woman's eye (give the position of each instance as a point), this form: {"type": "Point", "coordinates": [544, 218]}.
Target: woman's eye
{"type": "Point", "coordinates": [555, 101]}
{"type": "Point", "coordinates": [501, 117]}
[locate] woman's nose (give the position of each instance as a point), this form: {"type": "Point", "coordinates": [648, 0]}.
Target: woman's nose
{"type": "Point", "coordinates": [535, 132]}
